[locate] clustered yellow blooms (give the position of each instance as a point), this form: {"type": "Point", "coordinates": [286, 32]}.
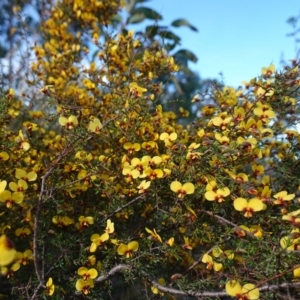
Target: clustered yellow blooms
{"type": "Point", "coordinates": [109, 149]}
{"type": "Point", "coordinates": [98, 240]}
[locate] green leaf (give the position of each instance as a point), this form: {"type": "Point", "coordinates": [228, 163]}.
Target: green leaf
{"type": "Point", "coordinates": [170, 36]}
{"type": "Point", "coordinates": [183, 22]}
{"type": "Point", "coordinates": [136, 18]}
{"type": "Point", "coordinates": [186, 54]}
{"type": "Point", "coordinates": [151, 31]}
{"type": "Point", "coordinates": [148, 13]}
{"type": "Point", "coordinates": [116, 18]}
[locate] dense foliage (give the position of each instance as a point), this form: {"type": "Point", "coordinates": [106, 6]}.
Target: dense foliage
{"type": "Point", "coordinates": [106, 195]}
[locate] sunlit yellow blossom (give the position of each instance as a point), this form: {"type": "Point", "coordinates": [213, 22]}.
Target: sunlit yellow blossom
{"type": "Point", "coordinates": [98, 240]}
{"type": "Point", "coordinates": [268, 70]}
{"type": "Point", "coordinates": [62, 221]}
{"type": "Point", "coordinates": [84, 286]}
{"type": "Point", "coordinates": [110, 227]}
{"type": "Point", "coordinates": [168, 138]}
{"type": "Point", "coordinates": [170, 241]}
{"type": "Point", "coordinates": [87, 273]}
{"type": "Point", "coordinates": [128, 249]}
{"type": "Point", "coordinates": [219, 253]}
{"type": "Point", "coordinates": [293, 218]}
{"type": "Point", "coordinates": [23, 144]}
{"type": "Point", "coordinates": [24, 257]}
{"type": "Point", "coordinates": [219, 195]}
{"type": "Point", "coordinates": [21, 186]}
{"type": "Point", "coordinates": [182, 190]}
{"type": "Point", "coordinates": [3, 156]}
{"type": "Point", "coordinates": [254, 229]}
{"type": "Point", "coordinates": [144, 185]}
{"type": "Point", "coordinates": [210, 263]}
{"type": "Point", "coordinates": [30, 126]}
{"type": "Point", "coordinates": [8, 272]}
{"type": "Point", "coordinates": [50, 287]}
{"type": "Point", "coordinates": [154, 174]}
{"type": "Point", "coordinates": [155, 290]}
{"type": "Point", "coordinates": [132, 147]}
{"type": "Point", "coordinates": [69, 122]}
{"type": "Point", "coordinates": [11, 198]}
{"type": "Point", "coordinates": [154, 235]}
{"type": "Point", "coordinates": [249, 291]}
{"type": "Point", "coordinates": [187, 243]}
{"type": "Point", "coordinates": [283, 196]}
{"type": "Point", "coordinates": [296, 272]}
{"type": "Point", "coordinates": [248, 207]}
{"type": "Point", "coordinates": [85, 221]}
{"type": "Point", "coordinates": [27, 176]}
{"type": "Point", "coordinates": [23, 232]}
{"type": "Point", "coordinates": [136, 90]}
{"type": "Point", "coordinates": [95, 126]}
{"type": "Point", "coordinates": [7, 251]}
{"type": "Point", "coordinates": [3, 184]}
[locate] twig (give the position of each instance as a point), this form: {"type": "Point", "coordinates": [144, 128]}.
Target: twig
{"type": "Point", "coordinates": [125, 205]}
{"type": "Point", "coordinates": [39, 274]}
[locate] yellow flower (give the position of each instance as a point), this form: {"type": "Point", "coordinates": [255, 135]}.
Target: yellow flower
{"type": "Point", "coordinates": [7, 251]}
{"type": "Point", "coordinates": [24, 145]}
{"type": "Point", "coordinates": [30, 126]}
{"type": "Point", "coordinates": [128, 249]}
{"type": "Point", "coordinates": [85, 221]}
{"type": "Point", "coordinates": [84, 286]}
{"type": "Point", "coordinates": [268, 71]}
{"type": "Point", "coordinates": [87, 273]}
{"type": "Point", "coordinates": [249, 291]}
{"type": "Point", "coordinates": [95, 126]}
{"type": "Point", "coordinates": [24, 257]}
{"type": "Point", "coordinates": [9, 272]}
{"type": "Point", "coordinates": [187, 243]}
{"type": "Point", "coordinates": [293, 218]}
{"type": "Point", "coordinates": [168, 138]}
{"type": "Point", "coordinates": [170, 241]}
{"type": "Point", "coordinates": [254, 229]}
{"type": "Point", "coordinates": [291, 242]}
{"type": "Point", "coordinates": [153, 174]}
{"type": "Point", "coordinates": [22, 174]}
{"type": "Point", "coordinates": [4, 156]}
{"type": "Point", "coordinates": [154, 235]}
{"type": "Point", "coordinates": [218, 252]}
{"type": "Point", "coordinates": [98, 240]}
{"type": "Point", "coordinates": [69, 122]}
{"type": "Point", "coordinates": [50, 287]}
{"type": "Point", "coordinates": [210, 263]}
{"type": "Point", "coordinates": [182, 190]}
{"type": "Point", "coordinates": [144, 185]}
{"type": "Point", "coordinates": [62, 221]}
{"type": "Point", "coordinates": [248, 207]}
{"type": "Point", "coordinates": [219, 195]}
{"type": "Point", "coordinates": [296, 272]}
{"type": "Point", "coordinates": [155, 290]}
{"type": "Point", "coordinates": [21, 186]}
{"type": "Point", "coordinates": [22, 232]}
{"type": "Point", "coordinates": [283, 196]}
{"type": "Point", "coordinates": [11, 198]}
{"type": "Point", "coordinates": [221, 122]}
{"type": "Point", "coordinates": [3, 184]}
{"type": "Point", "coordinates": [110, 227]}
{"type": "Point", "coordinates": [136, 90]}
{"type": "Point", "coordinates": [132, 147]}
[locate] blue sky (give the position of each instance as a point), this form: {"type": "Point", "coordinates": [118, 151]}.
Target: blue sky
{"type": "Point", "coordinates": [235, 37]}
